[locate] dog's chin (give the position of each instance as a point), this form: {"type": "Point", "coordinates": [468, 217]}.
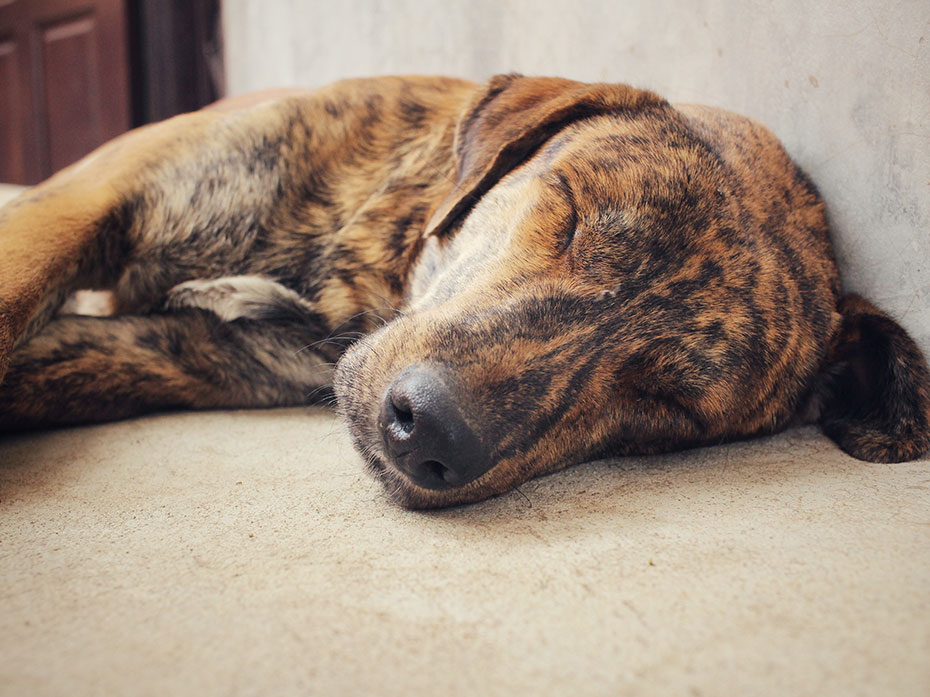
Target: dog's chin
{"type": "Point", "coordinates": [401, 491]}
{"type": "Point", "coordinates": [397, 487]}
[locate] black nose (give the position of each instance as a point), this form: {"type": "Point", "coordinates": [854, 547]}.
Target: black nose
{"type": "Point", "coordinates": [425, 435]}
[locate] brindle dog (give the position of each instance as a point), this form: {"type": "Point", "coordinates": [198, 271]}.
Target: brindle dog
{"type": "Point", "coordinates": [542, 271]}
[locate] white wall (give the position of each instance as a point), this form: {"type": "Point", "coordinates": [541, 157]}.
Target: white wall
{"type": "Point", "coordinates": [844, 83]}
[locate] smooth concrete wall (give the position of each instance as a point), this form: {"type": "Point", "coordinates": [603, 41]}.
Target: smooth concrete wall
{"type": "Point", "coordinates": [844, 83]}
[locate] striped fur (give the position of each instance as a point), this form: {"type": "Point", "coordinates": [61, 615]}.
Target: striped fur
{"type": "Point", "coordinates": [600, 272]}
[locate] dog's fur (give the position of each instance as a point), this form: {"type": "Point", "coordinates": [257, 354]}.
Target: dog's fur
{"type": "Point", "coordinates": [591, 270]}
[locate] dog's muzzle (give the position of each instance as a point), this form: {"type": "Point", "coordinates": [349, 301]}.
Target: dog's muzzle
{"type": "Point", "coordinates": [424, 434]}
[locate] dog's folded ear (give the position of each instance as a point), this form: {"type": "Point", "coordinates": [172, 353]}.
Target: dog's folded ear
{"type": "Point", "coordinates": [874, 391]}
{"type": "Point", "coordinates": [504, 123]}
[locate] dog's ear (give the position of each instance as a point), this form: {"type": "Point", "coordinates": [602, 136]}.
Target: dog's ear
{"type": "Point", "coordinates": [509, 119]}
{"type": "Point", "coordinates": [874, 392]}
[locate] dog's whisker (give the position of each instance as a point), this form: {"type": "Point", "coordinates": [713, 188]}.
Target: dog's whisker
{"type": "Point", "coordinates": [349, 337]}
{"type": "Point", "coordinates": [526, 498]}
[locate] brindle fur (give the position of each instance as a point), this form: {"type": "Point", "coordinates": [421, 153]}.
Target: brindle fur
{"type": "Point", "coordinates": [599, 271]}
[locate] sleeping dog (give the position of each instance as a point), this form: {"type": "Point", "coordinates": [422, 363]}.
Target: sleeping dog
{"type": "Point", "coordinates": [495, 280]}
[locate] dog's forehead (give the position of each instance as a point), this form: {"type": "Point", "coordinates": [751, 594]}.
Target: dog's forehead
{"type": "Point", "coordinates": [588, 158]}
{"type": "Point", "coordinates": [590, 168]}
{"type": "Point", "coordinates": [588, 140]}
{"type": "Point", "coordinates": [642, 170]}
{"type": "Point", "coordinates": [612, 159]}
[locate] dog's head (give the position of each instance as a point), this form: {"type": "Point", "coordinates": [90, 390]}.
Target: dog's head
{"type": "Point", "coordinates": [605, 277]}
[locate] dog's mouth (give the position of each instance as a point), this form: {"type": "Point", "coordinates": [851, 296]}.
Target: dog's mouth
{"type": "Point", "coordinates": [400, 489]}
{"type": "Point", "coordinates": [403, 490]}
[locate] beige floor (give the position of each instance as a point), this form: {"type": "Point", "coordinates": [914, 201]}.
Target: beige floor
{"type": "Point", "coordinates": [245, 553]}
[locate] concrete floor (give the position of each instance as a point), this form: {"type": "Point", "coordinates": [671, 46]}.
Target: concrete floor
{"type": "Point", "coordinates": [245, 553]}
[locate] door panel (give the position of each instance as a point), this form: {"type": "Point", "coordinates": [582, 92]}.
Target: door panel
{"type": "Point", "coordinates": [72, 82]}
{"type": "Point", "coordinates": [71, 89]}
{"type": "Point", "coordinates": [65, 69]}
{"type": "Point", "coordinates": [12, 126]}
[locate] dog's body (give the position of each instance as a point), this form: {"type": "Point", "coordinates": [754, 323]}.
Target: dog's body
{"type": "Point", "coordinates": [563, 271]}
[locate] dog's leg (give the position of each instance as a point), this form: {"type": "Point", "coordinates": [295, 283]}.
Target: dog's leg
{"type": "Point", "coordinates": [88, 369]}
{"type": "Point", "coordinates": [156, 207]}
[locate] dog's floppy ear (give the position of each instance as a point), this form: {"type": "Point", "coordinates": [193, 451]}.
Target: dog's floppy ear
{"type": "Point", "coordinates": [874, 392]}
{"type": "Point", "coordinates": [509, 119]}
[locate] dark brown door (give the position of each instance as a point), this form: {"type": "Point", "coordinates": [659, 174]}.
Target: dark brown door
{"type": "Point", "coordinates": [64, 83]}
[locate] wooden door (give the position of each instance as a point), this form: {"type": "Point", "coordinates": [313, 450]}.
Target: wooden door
{"type": "Point", "coordinates": [64, 83]}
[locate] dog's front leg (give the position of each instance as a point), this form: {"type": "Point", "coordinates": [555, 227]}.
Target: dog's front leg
{"type": "Point", "coordinates": [88, 369]}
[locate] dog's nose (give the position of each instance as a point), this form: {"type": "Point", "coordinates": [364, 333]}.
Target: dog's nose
{"type": "Point", "coordinates": [425, 435]}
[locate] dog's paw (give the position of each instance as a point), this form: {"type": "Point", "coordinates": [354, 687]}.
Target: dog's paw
{"type": "Point", "coordinates": [239, 297]}
{"type": "Point", "coordinates": [92, 303]}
